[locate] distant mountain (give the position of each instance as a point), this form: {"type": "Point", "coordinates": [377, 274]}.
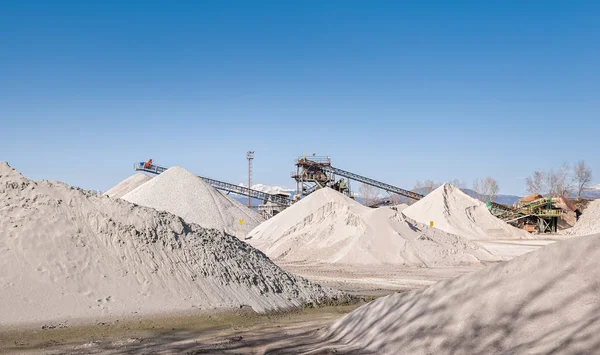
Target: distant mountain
{"type": "Point", "coordinates": [508, 200]}
{"type": "Point", "coordinates": [591, 192]}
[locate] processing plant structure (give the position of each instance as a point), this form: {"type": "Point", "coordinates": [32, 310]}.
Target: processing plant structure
{"type": "Point", "coordinates": [532, 213]}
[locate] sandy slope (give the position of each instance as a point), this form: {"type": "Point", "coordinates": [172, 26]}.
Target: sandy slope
{"type": "Point", "coordinates": [127, 185]}
{"type": "Point", "coordinates": [182, 193]}
{"type": "Point", "coordinates": [547, 301]}
{"type": "Point", "coordinates": [67, 253]}
{"type": "Point", "coordinates": [455, 212]}
{"type": "Point", "coordinates": [328, 227]}
{"type": "Point", "coordinates": [589, 222]}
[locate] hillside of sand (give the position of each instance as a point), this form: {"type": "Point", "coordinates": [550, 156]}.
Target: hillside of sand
{"type": "Point", "coordinates": [328, 227]}
{"type": "Point", "coordinates": [182, 193]}
{"type": "Point", "coordinates": [127, 185]}
{"type": "Point", "coordinates": [589, 221]}
{"type": "Point", "coordinates": [453, 211]}
{"type": "Point", "coordinates": [66, 253]}
{"type": "Point", "coordinates": [544, 302]}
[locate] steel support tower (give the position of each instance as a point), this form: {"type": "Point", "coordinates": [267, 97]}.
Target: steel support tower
{"type": "Point", "coordinates": [250, 157]}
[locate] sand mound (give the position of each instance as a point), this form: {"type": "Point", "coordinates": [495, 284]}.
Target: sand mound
{"type": "Point", "coordinates": [453, 211]}
{"type": "Point", "coordinates": [543, 302]}
{"type": "Point", "coordinates": [328, 227]}
{"type": "Point", "coordinates": [184, 194]}
{"type": "Point", "coordinates": [66, 253]}
{"type": "Point", "coordinates": [589, 222]}
{"type": "Point", "coordinates": [127, 185]}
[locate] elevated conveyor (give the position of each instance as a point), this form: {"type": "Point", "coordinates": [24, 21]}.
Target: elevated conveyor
{"type": "Point", "coordinates": [266, 197]}
{"type": "Point", "coordinates": [310, 163]}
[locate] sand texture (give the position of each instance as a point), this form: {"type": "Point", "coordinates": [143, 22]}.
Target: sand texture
{"type": "Point", "coordinates": [127, 185]}
{"type": "Point", "coordinates": [589, 221]}
{"type": "Point", "coordinates": [182, 193]}
{"type": "Point", "coordinates": [66, 253]}
{"type": "Point", "coordinates": [328, 227]}
{"type": "Point", "coordinates": [544, 302]}
{"type": "Point", "coordinates": [453, 211]}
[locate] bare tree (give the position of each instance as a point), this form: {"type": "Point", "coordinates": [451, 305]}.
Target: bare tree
{"type": "Point", "coordinates": [418, 187]}
{"type": "Point", "coordinates": [458, 183]}
{"type": "Point", "coordinates": [477, 188]}
{"type": "Point", "coordinates": [486, 189]}
{"type": "Point", "coordinates": [369, 193]}
{"type": "Point", "coordinates": [490, 188]}
{"type": "Point", "coordinates": [535, 184]}
{"type": "Point", "coordinates": [399, 199]}
{"type": "Point", "coordinates": [559, 183]}
{"type": "Point", "coordinates": [583, 176]}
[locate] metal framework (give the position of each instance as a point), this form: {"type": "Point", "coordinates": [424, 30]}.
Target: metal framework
{"type": "Point", "coordinates": [539, 215]}
{"type": "Point", "coordinates": [250, 157]}
{"type": "Point", "coordinates": [265, 197]}
{"type": "Point", "coordinates": [310, 174]}
{"type": "Point", "coordinates": [314, 172]}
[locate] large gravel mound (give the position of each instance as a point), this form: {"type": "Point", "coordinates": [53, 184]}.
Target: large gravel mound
{"type": "Point", "coordinates": [184, 194]}
{"type": "Point", "coordinates": [328, 227]}
{"type": "Point", "coordinates": [544, 302]}
{"type": "Point", "coordinates": [127, 185]}
{"type": "Point", "coordinates": [453, 211]}
{"type": "Point", "coordinates": [67, 253]}
{"type": "Point", "coordinates": [589, 222]}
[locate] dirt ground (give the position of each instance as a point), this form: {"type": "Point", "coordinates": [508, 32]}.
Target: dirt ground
{"type": "Point", "coordinates": [239, 331]}
{"type": "Point", "coordinates": [234, 332]}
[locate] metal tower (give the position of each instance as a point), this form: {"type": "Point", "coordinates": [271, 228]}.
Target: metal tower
{"type": "Point", "coordinates": [250, 157]}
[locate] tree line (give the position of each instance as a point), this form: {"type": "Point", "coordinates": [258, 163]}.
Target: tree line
{"type": "Point", "coordinates": [566, 181]}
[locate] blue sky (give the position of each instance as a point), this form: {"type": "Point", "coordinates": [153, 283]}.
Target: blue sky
{"type": "Point", "coordinates": [397, 91]}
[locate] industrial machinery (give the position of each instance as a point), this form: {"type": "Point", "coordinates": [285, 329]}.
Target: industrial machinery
{"type": "Point", "coordinates": [278, 199]}
{"type": "Point", "coordinates": [532, 213]}
{"type": "Point", "coordinates": [314, 172]}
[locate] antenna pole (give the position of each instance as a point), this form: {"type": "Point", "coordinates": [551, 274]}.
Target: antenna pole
{"type": "Point", "coordinates": [250, 157]}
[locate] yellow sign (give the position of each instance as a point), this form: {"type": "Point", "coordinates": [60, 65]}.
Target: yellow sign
{"type": "Point", "coordinates": [241, 221]}
{"type": "Point", "coordinates": [431, 223]}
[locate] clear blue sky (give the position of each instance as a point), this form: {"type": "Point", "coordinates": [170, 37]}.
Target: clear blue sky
{"type": "Point", "coordinates": [398, 91]}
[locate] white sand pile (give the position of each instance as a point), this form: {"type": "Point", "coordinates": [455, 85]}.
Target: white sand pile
{"type": "Point", "coordinates": [455, 212]}
{"type": "Point", "coordinates": [184, 194]}
{"type": "Point", "coordinates": [589, 221]}
{"type": "Point", "coordinates": [544, 302]}
{"type": "Point", "coordinates": [66, 253]}
{"type": "Point", "coordinates": [401, 207]}
{"type": "Point", "coordinates": [328, 227]}
{"type": "Point", "coordinates": [127, 185]}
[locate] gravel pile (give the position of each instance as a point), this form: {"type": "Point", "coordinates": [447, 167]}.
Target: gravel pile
{"type": "Point", "coordinates": [544, 302]}
{"type": "Point", "coordinates": [66, 253]}
{"type": "Point", "coordinates": [182, 193]}
{"type": "Point", "coordinates": [453, 211]}
{"type": "Point", "coordinates": [328, 227]}
{"type": "Point", "coordinates": [589, 221]}
{"type": "Point", "coordinates": [127, 185]}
